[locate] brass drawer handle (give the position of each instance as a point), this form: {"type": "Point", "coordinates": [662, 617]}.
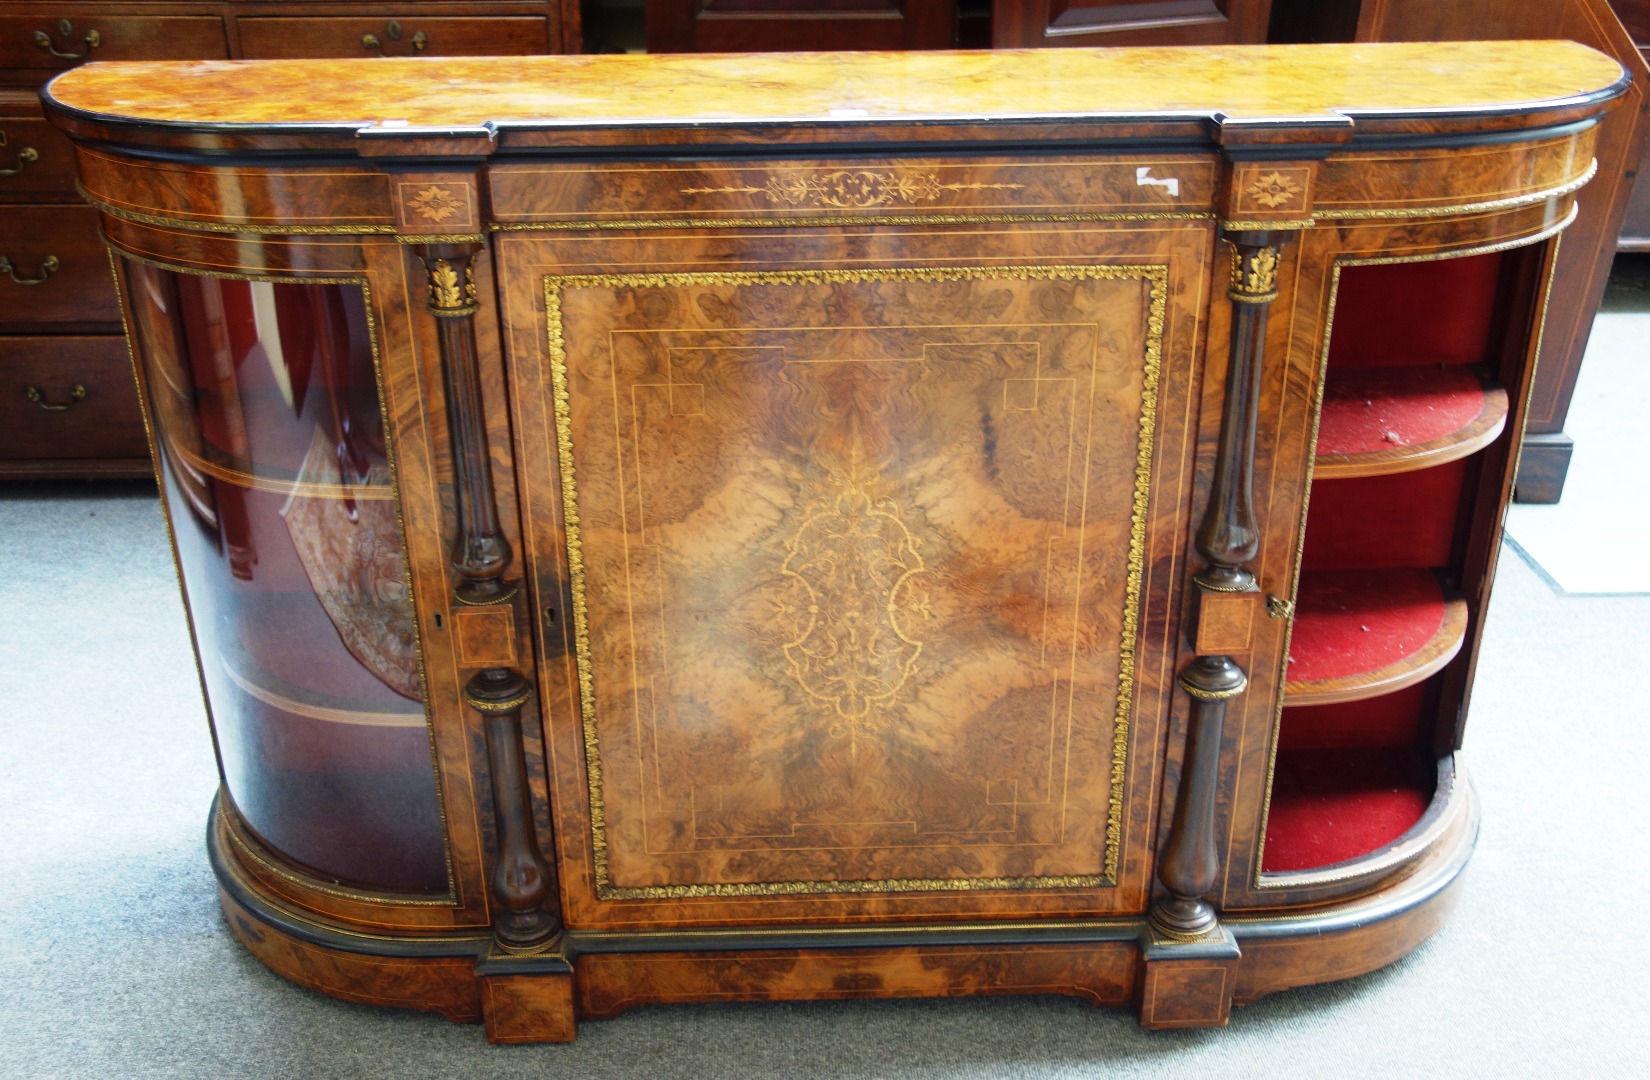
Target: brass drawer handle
{"type": "Point", "coordinates": [1279, 608]}
{"type": "Point", "coordinates": [24, 156]}
{"type": "Point", "coordinates": [392, 30]}
{"type": "Point", "coordinates": [64, 27]}
{"type": "Point", "coordinates": [38, 396]}
{"type": "Point", "coordinates": [48, 266]}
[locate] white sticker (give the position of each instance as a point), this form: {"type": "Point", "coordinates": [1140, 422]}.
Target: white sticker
{"type": "Point", "coordinates": [1143, 177]}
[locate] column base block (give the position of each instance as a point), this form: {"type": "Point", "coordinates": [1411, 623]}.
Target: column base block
{"type": "Point", "coordinates": [528, 1008]}
{"type": "Point", "coordinates": [1187, 983]}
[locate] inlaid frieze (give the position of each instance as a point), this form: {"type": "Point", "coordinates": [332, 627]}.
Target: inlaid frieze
{"type": "Point", "coordinates": [656, 195]}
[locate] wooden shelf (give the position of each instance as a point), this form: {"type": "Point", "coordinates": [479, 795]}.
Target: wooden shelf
{"type": "Point", "coordinates": [1381, 420]}
{"type": "Point", "coordinates": [1363, 633]}
{"type": "Point", "coordinates": [276, 692]}
{"type": "Point", "coordinates": [254, 478]}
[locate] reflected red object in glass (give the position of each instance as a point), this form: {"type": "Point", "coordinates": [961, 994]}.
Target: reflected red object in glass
{"type": "Point", "coordinates": [265, 407]}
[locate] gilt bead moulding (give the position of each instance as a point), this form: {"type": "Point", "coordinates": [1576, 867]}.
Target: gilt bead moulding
{"type": "Point", "coordinates": [760, 527]}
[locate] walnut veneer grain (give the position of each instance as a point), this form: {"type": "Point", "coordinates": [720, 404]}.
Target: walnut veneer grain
{"type": "Point", "coordinates": [1446, 81]}
{"type": "Point", "coordinates": [852, 633]}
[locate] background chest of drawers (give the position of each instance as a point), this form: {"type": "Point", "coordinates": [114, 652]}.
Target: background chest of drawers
{"type": "Point", "coordinates": [67, 402]}
{"type": "Point", "coordinates": [1635, 226]}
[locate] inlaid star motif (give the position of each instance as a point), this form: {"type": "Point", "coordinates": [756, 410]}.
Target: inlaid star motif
{"type": "Point", "coordinates": [435, 203]}
{"type": "Point", "coordinates": [1274, 190]}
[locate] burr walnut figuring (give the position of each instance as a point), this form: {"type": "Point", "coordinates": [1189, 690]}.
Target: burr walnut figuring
{"type": "Point", "coordinates": [772, 527]}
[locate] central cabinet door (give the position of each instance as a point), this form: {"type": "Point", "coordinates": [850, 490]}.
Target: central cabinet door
{"type": "Point", "coordinates": [843, 541]}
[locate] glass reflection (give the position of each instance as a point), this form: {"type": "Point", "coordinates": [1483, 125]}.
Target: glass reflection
{"type": "Point", "coordinates": [266, 414]}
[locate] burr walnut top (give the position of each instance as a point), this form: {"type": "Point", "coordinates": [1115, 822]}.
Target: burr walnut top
{"type": "Point", "coordinates": [1308, 85]}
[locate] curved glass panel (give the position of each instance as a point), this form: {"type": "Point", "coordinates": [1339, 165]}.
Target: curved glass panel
{"type": "Point", "coordinates": [265, 407]}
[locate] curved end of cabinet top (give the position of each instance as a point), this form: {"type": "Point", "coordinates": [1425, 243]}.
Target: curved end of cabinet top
{"type": "Point", "coordinates": [744, 527]}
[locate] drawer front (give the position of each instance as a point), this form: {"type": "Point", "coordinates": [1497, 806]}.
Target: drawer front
{"type": "Point", "coordinates": [46, 45]}
{"type": "Point", "coordinates": [276, 38]}
{"type": "Point", "coordinates": [58, 272]}
{"type": "Point", "coordinates": [68, 397]}
{"type": "Point", "coordinates": [36, 160]}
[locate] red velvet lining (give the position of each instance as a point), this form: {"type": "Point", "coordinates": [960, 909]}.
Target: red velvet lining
{"type": "Point", "coordinates": [1332, 805]}
{"type": "Point", "coordinates": [1437, 312]}
{"type": "Point", "coordinates": [1372, 522]}
{"type": "Point", "coordinates": [1366, 410]}
{"type": "Point", "coordinates": [1349, 622]}
{"type": "Point", "coordinates": [1390, 721]}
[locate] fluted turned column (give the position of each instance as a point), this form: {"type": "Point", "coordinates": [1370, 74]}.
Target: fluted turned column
{"type": "Point", "coordinates": [522, 881]}
{"type": "Point", "coordinates": [480, 553]}
{"type": "Point", "coordinates": [1227, 539]}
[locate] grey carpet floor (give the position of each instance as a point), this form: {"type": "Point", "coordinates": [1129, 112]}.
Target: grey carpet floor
{"type": "Point", "coordinates": [114, 961]}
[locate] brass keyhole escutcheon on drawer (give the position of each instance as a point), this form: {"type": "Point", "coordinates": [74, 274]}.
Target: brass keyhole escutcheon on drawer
{"type": "Point", "coordinates": [66, 29]}
{"type": "Point", "coordinates": [48, 266]}
{"type": "Point", "coordinates": [24, 156]}
{"type": "Point", "coordinates": [38, 396]}
{"type": "Point", "coordinates": [393, 30]}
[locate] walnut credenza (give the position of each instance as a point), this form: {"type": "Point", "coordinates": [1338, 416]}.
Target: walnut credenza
{"type": "Point", "coordinates": [686, 528]}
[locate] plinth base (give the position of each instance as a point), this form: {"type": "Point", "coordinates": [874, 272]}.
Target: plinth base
{"type": "Point", "coordinates": [539, 997]}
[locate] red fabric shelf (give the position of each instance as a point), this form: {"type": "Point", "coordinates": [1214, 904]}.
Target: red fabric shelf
{"type": "Point", "coordinates": [1382, 420]}
{"type": "Point", "coordinates": [1361, 633]}
{"type": "Point", "coordinates": [1329, 806]}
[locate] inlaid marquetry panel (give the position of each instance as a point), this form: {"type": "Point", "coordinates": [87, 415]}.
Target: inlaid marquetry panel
{"type": "Point", "coordinates": [551, 195]}
{"type": "Point", "coordinates": [857, 561]}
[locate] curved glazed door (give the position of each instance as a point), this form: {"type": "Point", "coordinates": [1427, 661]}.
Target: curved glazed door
{"type": "Point", "coordinates": [274, 462]}
{"type": "Point", "coordinates": [852, 615]}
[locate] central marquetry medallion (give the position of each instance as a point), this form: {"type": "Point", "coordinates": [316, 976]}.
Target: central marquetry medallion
{"type": "Point", "coordinates": [853, 593]}
{"type": "Point", "coordinates": [856, 561]}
